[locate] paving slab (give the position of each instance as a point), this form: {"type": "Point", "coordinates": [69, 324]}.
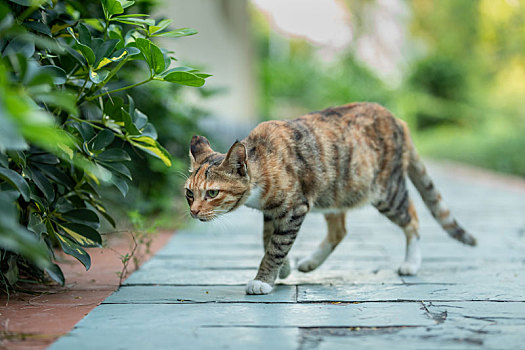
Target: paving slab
{"type": "Point", "coordinates": [167, 316]}
{"type": "Point", "coordinates": [162, 275]}
{"type": "Point", "coordinates": [198, 294]}
{"type": "Point", "coordinates": [191, 294]}
{"type": "Point", "coordinates": [256, 338]}
{"type": "Point", "coordinates": [411, 292]}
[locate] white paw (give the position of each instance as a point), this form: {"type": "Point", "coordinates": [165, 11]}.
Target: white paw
{"type": "Point", "coordinates": [308, 264]}
{"type": "Point", "coordinates": [285, 269]}
{"type": "Point", "coordinates": [316, 259]}
{"type": "Point", "coordinates": [408, 269]}
{"type": "Point", "coordinates": [258, 287]}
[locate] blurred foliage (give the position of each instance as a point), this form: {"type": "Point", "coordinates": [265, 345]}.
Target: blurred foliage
{"type": "Point", "coordinates": [294, 81]}
{"type": "Point", "coordinates": [461, 93]}
{"type": "Point", "coordinates": [69, 128]}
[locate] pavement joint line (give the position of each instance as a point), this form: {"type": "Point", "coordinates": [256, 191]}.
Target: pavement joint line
{"type": "Point", "coordinates": [200, 302]}
{"type": "Point", "coordinates": [349, 327]}
{"type": "Point", "coordinates": [320, 302]}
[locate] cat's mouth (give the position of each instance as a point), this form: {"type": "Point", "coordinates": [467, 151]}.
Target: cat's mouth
{"type": "Point", "coordinates": [203, 218]}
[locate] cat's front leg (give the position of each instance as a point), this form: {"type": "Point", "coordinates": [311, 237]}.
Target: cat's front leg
{"type": "Point", "coordinates": [276, 250]}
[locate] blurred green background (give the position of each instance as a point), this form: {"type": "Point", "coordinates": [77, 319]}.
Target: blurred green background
{"type": "Point", "coordinates": [453, 69]}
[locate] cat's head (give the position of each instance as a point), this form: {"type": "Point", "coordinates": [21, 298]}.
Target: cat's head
{"type": "Point", "coordinates": [218, 182]}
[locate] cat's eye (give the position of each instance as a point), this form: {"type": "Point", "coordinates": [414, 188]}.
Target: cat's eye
{"type": "Point", "coordinates": [212, 193]}
{"type": "Point", "coordinates": [189, 193]}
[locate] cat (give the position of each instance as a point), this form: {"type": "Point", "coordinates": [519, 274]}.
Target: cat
{"type": "Point", "coordinates": [329, 161]}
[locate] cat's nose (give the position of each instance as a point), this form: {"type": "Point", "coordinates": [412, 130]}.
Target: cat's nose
{"type": "Point", "coordinates": [194, 212]}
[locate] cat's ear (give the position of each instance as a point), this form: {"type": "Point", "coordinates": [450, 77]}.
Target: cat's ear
{"type": "Point", "coordinates": [199, 149]}
{"type": "Point", "coordinates": [236, 159]}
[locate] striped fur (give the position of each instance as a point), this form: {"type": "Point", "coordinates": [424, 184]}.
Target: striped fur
{"type": "Point", "coordinates": [330, 161]}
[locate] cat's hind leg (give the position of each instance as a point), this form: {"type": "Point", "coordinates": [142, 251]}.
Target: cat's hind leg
{"type": "Point", "coordinates": [401, 211]}
{"type": "Point", "coordinates": [336, 233]}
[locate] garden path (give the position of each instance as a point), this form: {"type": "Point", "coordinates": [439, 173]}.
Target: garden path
{"type": "Point", "coordinates": [191, 294]}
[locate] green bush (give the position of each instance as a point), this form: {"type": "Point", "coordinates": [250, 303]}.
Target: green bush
{"type": "Point", "coordinates": [67, 126]}
{"type": "Point", "coordinates": [441, 81]}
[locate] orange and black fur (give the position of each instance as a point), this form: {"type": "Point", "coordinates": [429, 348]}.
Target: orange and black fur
{"type": "Point", "coordinates": [328, 161]}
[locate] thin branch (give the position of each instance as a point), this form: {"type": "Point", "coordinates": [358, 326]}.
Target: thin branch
{"type": "Point", "coordinates": [120, 89]}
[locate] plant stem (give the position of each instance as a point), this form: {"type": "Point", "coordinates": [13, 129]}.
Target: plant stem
{"type": "Point", "coordinates": [106, 31]}
{"type": "Point", "coordinates": [82, 89]}
{"type": "Point", "coordinates": [86, 122]}
{"type": "Point", "coordinates": [93, 124]}
{"type": "Point", "coordinates": [112, 73]}
{"type": "Point", "coordinates": [120, 89]}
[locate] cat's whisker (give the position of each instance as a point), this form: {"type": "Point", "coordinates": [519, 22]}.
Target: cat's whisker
{"type": "Point", "coordinates": [182, 174]}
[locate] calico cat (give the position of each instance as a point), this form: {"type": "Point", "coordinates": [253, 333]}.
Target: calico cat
{"type": "Point", "coordinates": [328, 161]}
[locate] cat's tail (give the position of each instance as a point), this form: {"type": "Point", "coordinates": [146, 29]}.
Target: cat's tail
{"type": "Point", "coordinates": [432, 198]}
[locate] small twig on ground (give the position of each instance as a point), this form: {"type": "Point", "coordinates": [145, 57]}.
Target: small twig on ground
{"type": "Point", "coordinates": [126, 258]}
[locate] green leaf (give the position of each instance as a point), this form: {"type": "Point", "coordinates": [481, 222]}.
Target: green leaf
{"type": "Point", "coordinates": [84, 36]}
{"type": "Point", "coordinates": [43, 184]}
{"type": "Point", "coordinates": [134, 21]}
{"type": "Point", "coordinates": [12, 273]}
{"type": "Point", "coordinates": [132, 15]}
{"type": "Point", "coordinates": [20, 44]}
{"type": "Point", "coordinates": [86, 51]}
{"type": "Point", "coordinates": [85, 130]}
{"type": "Point", "coordinates": [103, 139]}
{"type": "Point", "coordinates": [37, 26]}
{"type": "Point", "coordinates": [139, 119]}
{"type": "Point", "coordinates": [128, 123]}
{"type": "Point", "coordinates": [184, 78]}
{"type": "Point", "coordinates": [95, 23]}
{"type": "Point", "coordinates": [118, 168]}
{"type": "Point", "coordinates": [64, 100]}
{"type": "Point", "coordinates": [152, 54]}
{"type": "Point", "coordinates": [76, 55]}
{"type": "Point", "coordinates": [177, 33]}
{"type": "Point", "coordinates": [149, 130]}
{"type": "Point", "coordinates": [23, 2]}
{"type": "Point", "coordinates": [118, 56]}
{"type": "Point", "coordinates": [15, 238]}
{"type": "Point", "coordinates": [102, 211]}
{"type": "Point", "coordinates": [71, 248]}
{"type": "Point", "coordinates": [36, 225]}
{"type": "Point", "coordinates": [152, 147]}
{"type": "Point", "coordinates": [54, 271]}
{"type": "Point", "coordinates": [56, 174]}
{"type": "Point", "coordinates": [111, 7]}
{"type": "Point", "coordinates": [18, 157]}
{"type": "Point", "coordinates": [115, 32]}
{"type": "Point", "coordinates": [203, 75]}
{"type": "Point", "coordinates": [126, 4]}
{"type": "Point", "coordinates": [132, 51]}
{"type": "Point", "coordinates": [120, 184]}
{"type": "Point", "coordinates": [105, 50]}
{"type": "Point", "coordinates": [99, 76]}
{"type": "Point", "coordinates": [114, 155]}
{"type": "Point", "coordinates": [83, 235]}
{"type": "Point", "coordinates": [159, 26]}
{"type": "Point", "coordinates": [17, 181]}
{"type": "Point", "coordinates": [82, 216]}
{"type": "Point", "coordinates": [45, 158]}
{"type": "Point", "coordinates": [10, 136]}
{"type": "Point", "coordinates": [112, 107]}
{"type": "Point", "coordinates": [58, 74]}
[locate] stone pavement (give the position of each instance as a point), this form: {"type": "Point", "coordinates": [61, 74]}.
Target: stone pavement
{"type": "Point", "coordinates": [191, 294]}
